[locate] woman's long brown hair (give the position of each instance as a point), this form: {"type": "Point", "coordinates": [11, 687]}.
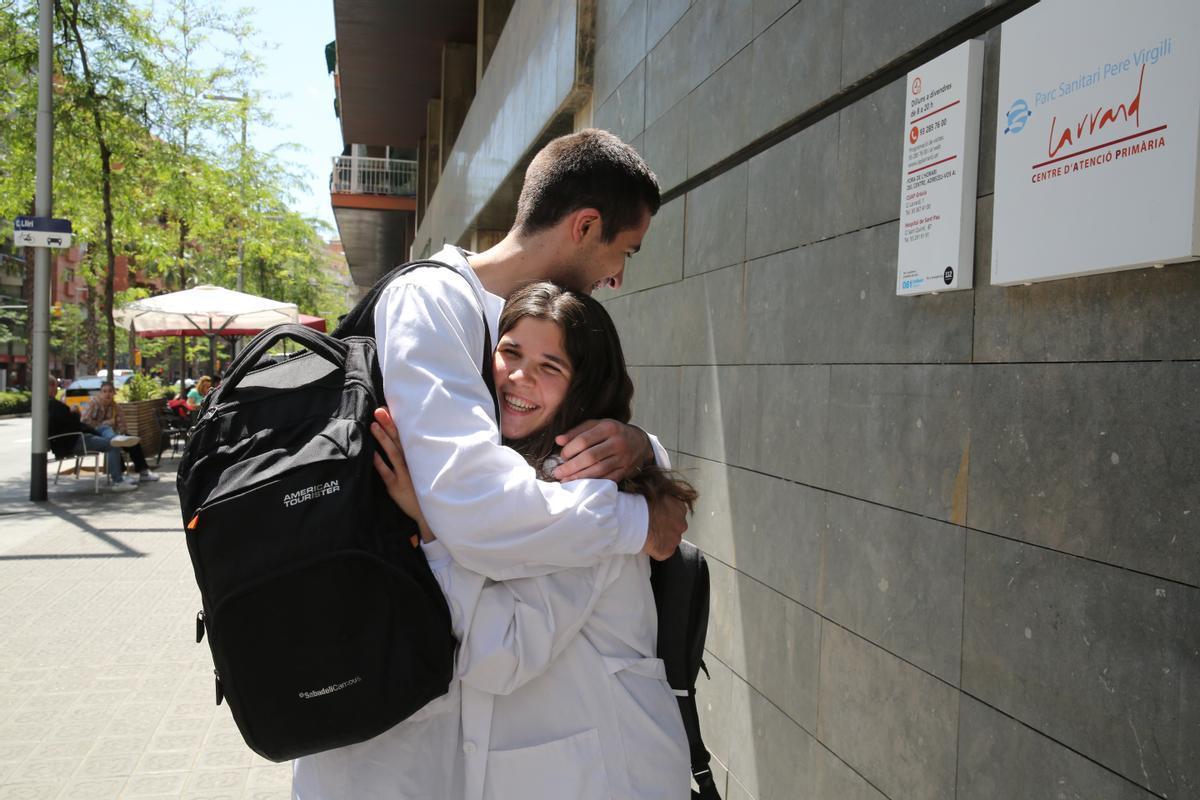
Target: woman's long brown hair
{"type": "Point", "coordinates": [600, 386]}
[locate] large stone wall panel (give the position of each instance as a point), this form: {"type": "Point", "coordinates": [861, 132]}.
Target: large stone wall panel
{"type": "Point", "coordinates": [891, 722]}
{"type": "Point", "coordinates": [669, 72]}
{"type": "Point", "coordinates": [719, 111]}
{"type": "Point", "coordinates": [792, 191]}
{"type": "Point", "coordinates": [899, 436]}
{"type": "Point", "coordinates": [766, 12]}
{"type": "Point", "coordinates": [714, 703]}
{"type": "Point", "coordinates": [656, 402]}
{"type": "Point", "coordinates": [797, 64]}
{"type": "Point", "coordinates": [999, 758]}
{"type": "Point", "coordinates": [770, 641]}
{"type": "Point", "coordinates": [1099, 460]}
{"type": "Point", "coordinates": [1104, 660]}
{"type": "Point", "coordinates": [877, 32]}
{"type": "Point", "coordinates": [771, 756]}
{"type": "Point", "coordinates": [721, 29]}
{"type": "Point", "coordinates": [871, 160]}
{"type": "Point", "coordinates": [665, 145]}
{"type": "Point", "coordinates": [769, 528]}
{"type": "Point", "coordinates": [662, 16]}
{"type": "Point", "coordinates": [1143, 314]}
{"type": "Point", "coordinates": [835, 302]}
{"type": "Point", "coordinates": [624, 112]}
{"type": "Point", "coordinates": [895, 579]}
{"type": "Point", "coordinates": [715, 232]}
{"type": "Point", "coordinates": [619, 49]}
{"type": "Point", "coordinates": [769, 419]}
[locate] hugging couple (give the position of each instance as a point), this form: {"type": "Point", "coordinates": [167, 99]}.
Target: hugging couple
{"type": "Point", "coordinates": [539, 526]}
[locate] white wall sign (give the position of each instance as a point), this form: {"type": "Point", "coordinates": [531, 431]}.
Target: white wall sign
{"type": "Point", "coordinates": [937, 190]}
{"type": "Point", "coordinates": [1097, 137]}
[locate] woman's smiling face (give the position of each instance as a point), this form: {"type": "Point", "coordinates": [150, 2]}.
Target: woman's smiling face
{"type": "Point", "coordinates": [532, 375]}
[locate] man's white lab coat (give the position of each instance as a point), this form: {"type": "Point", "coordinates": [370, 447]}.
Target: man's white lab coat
{"type": "Point", "coordinates": [482, 498]}
{"type": "Point", "coordinates": [562, 695]}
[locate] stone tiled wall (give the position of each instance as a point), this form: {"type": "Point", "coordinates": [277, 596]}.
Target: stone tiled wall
{"type": "Point", "coordinates": [955, 540]}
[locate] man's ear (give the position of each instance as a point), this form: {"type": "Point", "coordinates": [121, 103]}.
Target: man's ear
{"type": "Point", "coordinates": [583, 222]}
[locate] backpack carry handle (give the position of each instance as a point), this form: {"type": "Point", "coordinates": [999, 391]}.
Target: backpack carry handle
{"type": "Point", "coordinates": [332, 350]}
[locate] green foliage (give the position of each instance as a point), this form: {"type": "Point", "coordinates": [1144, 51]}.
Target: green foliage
{"type": "Point", "coordinates": [14, 402]}
{"type": "Point", "coordinates": [184, 190]}
{"type": "Point", "coordinates": [139, 387]}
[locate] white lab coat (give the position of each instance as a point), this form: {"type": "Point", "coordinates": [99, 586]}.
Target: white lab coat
{"type": "Point", "coordinates": [482, 498]}
{"type": "Point", "coordinates": [562, 695]}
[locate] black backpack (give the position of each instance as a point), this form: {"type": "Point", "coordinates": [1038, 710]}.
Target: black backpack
{"type": "Point", "coordinates": [680, 587]}
{"type": "Point", "coordinates": [326, 625]}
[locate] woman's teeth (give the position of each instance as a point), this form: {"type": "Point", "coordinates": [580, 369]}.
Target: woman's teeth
{"type": "Point", "coordinates": [517, 404]}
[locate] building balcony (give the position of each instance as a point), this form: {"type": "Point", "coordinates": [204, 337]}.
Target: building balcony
{"type": "Point", "coordinates": [388, 177]}
{"type": "Point", "coordinates": [374, 205]}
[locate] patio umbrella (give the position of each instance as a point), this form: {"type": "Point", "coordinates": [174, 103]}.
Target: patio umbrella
{"type": "Point", "coordinates": [209, 310]}
{"type": "Point", "coordinates": [204, 311]}
{"type": "Point", "coordinates": [307, 320]}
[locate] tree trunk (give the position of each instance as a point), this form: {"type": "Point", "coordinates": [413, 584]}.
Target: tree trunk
{"type": "Point", "coordinates": [109, 251]}
{"type": "Point", "coordinates": [91, 333]}
{"type": "Point", "coordinates": [106, 184]}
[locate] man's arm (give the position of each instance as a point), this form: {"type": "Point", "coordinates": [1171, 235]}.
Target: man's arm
{"type": "Point", "coordinates": [482, 499]}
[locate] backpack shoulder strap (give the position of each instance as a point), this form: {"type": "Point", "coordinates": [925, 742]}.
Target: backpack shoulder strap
{"type": "Point", "coordinates": [681, 595]}
{"type": "Point", "coordinates": [360, 320]}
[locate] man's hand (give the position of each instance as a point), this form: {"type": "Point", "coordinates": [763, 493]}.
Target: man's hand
{"type": "Point", "coordinates": [602, 449]}
{"type": "Point", "coordinates": [668, 522]}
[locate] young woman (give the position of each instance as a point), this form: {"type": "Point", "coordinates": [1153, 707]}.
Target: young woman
{"type": "Point", "coordinates": [562, 694]}
{"type": "Point", "coordinates": [197, 393]}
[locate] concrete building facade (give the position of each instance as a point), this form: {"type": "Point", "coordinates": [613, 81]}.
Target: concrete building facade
{"type": "Point", "coordinates": [954, 539]}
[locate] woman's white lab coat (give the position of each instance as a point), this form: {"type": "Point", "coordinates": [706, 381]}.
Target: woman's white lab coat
{"type": "Point", "coordinates": [562, 695]}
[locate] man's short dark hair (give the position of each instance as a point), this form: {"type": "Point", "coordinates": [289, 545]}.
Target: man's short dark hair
{"type": "Point", "coordinates": [587, 169]}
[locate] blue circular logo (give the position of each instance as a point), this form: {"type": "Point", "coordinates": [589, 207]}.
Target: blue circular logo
{"type": "Point", "coordinates": [1018, 115]}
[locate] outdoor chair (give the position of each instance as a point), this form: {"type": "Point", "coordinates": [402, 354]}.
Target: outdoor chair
{"type": "Point", "coordinates": [80, 457]}
{"type": "Point", "coordinates": [175, 429]}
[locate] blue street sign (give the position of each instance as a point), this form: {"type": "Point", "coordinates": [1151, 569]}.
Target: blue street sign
{"type": "Point", "coordinates": [44, 224]}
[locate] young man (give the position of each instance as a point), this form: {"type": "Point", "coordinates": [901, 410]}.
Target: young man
{"type": "Point", "coordinates": [584, 208]}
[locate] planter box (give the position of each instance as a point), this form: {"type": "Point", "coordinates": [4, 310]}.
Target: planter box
{"type": "Point", "coordinates": [142, 420]}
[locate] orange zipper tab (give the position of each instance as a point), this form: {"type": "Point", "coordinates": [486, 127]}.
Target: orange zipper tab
{"type": "Point", "coordinates": [195, 522]}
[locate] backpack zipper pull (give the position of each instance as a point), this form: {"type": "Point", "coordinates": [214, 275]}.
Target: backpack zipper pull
{"type": "Point", "coordinates": [217, 680]}
{"type": "Point", "coordinates": [199, 627]}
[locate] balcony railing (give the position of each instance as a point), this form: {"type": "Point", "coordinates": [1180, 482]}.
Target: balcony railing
{"type": "Point", "coordinates": [362, 175]}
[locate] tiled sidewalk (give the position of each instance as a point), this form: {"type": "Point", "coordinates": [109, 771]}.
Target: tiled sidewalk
{"type": "Point", "coordinates": [103, 691]}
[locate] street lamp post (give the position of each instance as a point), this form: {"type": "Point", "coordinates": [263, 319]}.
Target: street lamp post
{"type": "Point", "coordinates": [41, 271]}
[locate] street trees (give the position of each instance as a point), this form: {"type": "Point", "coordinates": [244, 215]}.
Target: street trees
{"type": "Point", "coordinates": [145, 161]}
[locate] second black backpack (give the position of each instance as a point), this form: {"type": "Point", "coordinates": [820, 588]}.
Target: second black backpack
{"type": "Point", "coordinates": [681, 594]}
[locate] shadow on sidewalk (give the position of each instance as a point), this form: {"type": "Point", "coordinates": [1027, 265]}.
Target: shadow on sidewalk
{"type": "Point", "coordinates": [102, 516]}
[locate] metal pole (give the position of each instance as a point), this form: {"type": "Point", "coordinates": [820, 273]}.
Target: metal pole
{"type": "Point", "coordinates": [242, 186]}
{"type": "Point", "coordinates": [41, 264]}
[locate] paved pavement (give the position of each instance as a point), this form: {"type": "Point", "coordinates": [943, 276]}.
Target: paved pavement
{"type": "Point", "coordinates": [103, 691]}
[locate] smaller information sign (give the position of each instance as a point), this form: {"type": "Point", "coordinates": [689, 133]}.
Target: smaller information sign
{"type": "Point", "coordinates": [937, 189]}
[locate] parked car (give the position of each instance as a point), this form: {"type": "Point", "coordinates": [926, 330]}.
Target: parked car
{"type": "Point", "coordinates": [81, 390]}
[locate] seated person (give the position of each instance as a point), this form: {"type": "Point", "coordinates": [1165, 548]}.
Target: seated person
{"type": "Point", "coordinates": [104, 414]}
{"type": "Point", "coordinates": [61, 420]}
{"type": "Point", "coordinates": [198, 392]}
